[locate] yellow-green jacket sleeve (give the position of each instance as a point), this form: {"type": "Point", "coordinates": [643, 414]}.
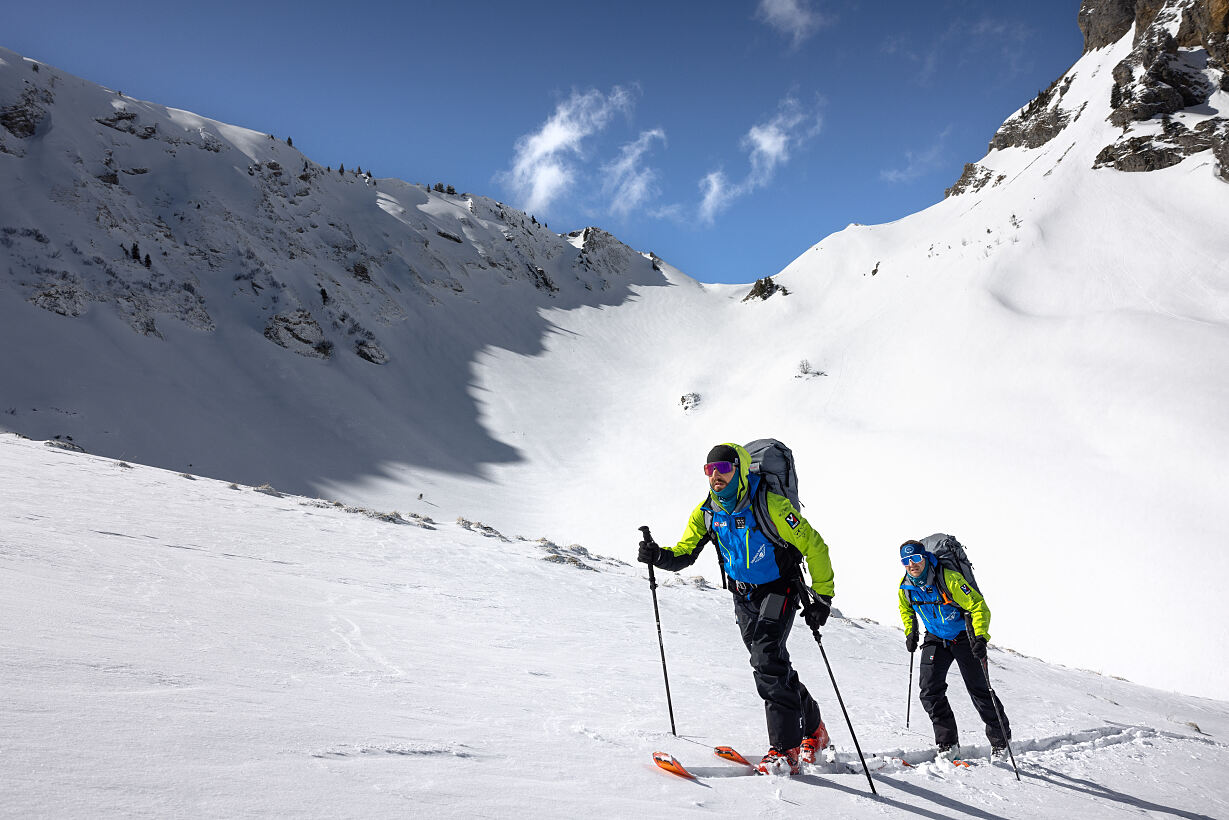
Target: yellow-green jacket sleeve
{"type": "Point", "coordinates": [970, 600]}
{"type": "Point", "coordinates": [683, 554]}
{"type": "Point", "coordinates": [906, 610]}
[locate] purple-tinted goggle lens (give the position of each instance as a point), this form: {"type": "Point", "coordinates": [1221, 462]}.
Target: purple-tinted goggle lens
{"type": "Point", "coordinates": [718, 467]}
{"type": "Point", "coordinates": [916, 558]}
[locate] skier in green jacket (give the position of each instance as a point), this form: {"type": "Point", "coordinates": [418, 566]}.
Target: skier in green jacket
{"type": "Point", "coordinates": [767, 586]}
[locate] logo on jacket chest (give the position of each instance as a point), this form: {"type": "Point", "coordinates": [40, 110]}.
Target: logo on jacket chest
{"type": "Point", "coordinates": [740, 521]}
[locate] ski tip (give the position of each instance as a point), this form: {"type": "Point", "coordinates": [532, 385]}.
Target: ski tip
{"type": "Point", "coordinates": [671, 765]}
{"type": "Point", "coordinates": [728, 753]}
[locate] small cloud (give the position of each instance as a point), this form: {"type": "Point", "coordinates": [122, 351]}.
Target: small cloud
{"type": "Point", "coordinates": [627, 182]}
{"type": "Point", "coordinates": [919, 163]}
{"type": "Point", "coordinates": [541, 170]}
{"type": "Point", "coordinates": [716, 195]}
{"type": "Point", "coordinates": [673, 212]}
{"type": "Point", "coordinates": [793, 18]}
{"type": "Point", "coordinates": [768, 145]}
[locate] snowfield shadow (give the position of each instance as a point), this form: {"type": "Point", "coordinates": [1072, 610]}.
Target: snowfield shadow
{"type": "Point", "coordinates": [1065, 781]}
{"type": "Point", "coordinates": [209, 299]}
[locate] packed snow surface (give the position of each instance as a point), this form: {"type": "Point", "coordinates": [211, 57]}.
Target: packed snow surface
{"type": "Point", "coordinates": [180, 646]}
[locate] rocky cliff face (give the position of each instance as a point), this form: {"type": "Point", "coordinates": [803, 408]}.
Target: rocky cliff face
{"type": "Point", "coordinates": [1177, 63]}
{"type": "Point", "coordinates": [1165, 95]}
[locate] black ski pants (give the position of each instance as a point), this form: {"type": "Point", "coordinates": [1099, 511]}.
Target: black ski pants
{"type": "Point", "coordinates": [790, 710]}
{"type": "Point", "coordinates": [937, 657]}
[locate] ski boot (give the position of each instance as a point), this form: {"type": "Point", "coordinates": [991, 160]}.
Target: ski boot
{"type": "Point", "coordinates": [813, 743]}
{"type": "Point", "coordinates": [779, 763]}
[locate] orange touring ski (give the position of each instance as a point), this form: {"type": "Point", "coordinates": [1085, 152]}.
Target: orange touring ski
{"type": "Point", "coordinates": [671, 765]}
{"type": "Point", "coordinates": [728, 753]}
{"type": "Point", "coordinates": [667, 761]}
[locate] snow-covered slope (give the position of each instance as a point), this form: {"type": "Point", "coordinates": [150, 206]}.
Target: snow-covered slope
{"type": "Point", "coordinates": [178, 646]}
{"type": "Point", "coordinates": [294, 323]}
{"type": "Point", "coordinates": [1039, 363]}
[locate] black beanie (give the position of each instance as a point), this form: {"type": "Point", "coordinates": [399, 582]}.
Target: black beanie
{"type": "Point", "coordinates": [722, 452]}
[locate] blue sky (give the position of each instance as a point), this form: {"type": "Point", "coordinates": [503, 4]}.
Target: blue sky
{"type": "Point", "coordinates": [727, 137]}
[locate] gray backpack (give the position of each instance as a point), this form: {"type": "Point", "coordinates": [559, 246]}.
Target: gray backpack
{"type": "Point", "coordinates": [951, 555]}
{"type": "Point", "coordinates": [775, 464]}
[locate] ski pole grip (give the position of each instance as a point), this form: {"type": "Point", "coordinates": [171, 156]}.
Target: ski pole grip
{"type": "Point", "coordinates": [647, 535]}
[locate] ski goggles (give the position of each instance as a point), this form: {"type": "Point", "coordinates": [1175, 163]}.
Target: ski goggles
{"type": "Point", "coordinates": [719, 467]}
{"type": "Point", "coordinates": [916, 558]}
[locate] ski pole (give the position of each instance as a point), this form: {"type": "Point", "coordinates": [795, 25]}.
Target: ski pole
{"type": "Point", "coordinates": [985, 668]}
{"type": "Point", "coordinates": [994, 699]}
{"type": "Point", "coordinates": [819, 640]}
{"type": "Point", "coordinates": [909, 694]}
{"type": "Point", "coordinates": [661, 645]}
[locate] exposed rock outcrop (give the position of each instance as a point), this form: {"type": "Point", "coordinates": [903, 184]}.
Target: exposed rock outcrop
{"type": "Point", "coordinates": [1179, 59]}
{"type": "Point", "coordinates": [299, 331]}
{"type": "Point", "coordinates": [763, 288]}
{"type": "Point", "coordinates": [1175, 144]}
{"type": "Point", "coordinates": [974, 178]}
{"type": "Point", "coordinates": [1039, 122]}
{"type": "Point", "coordinates": [1156, 79]}
{"type": "Point", "coordinates": [1105, 22]}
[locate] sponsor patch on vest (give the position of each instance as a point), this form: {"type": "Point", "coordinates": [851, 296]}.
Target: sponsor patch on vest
{"type": "Point", "coordinates": [740, 521]}
{"type": "Point", "coordinates": [965, 589]}
{"type": "Point", "coordinates": [792, 520]}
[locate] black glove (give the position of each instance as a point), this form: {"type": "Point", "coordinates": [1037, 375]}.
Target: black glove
{"type": "Point", "coordinates": [816, 613]}
{"type": "Point", "coordinates": [911, 640]}
{"type": "Point", "coordinates": [978, 646]}
{"type": "Point", "coordinates": [649, 552]}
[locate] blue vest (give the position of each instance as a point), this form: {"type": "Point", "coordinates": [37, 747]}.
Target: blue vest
{"type": "Point", "coordinates": [942, 620]}
{"type": "Point", "coordinates": [747, 553]}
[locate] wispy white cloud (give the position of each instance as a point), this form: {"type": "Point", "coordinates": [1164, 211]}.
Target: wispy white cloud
{"type": "Point", "coordinates": [769, 145]}
{"type": "Point", "coordinates": [715, 195]}
{"type": "Point", "coordinates": [920, 162]}
{"type": "Point", "coordinates": [627, 182]}
{"type": "Point", "coordinates": [543, 167]}
{"type": "Point", "coordinates": [793, 18]}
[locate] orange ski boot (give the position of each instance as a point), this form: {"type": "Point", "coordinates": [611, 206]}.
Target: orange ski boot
{"type": "Point", "coordinates": [779, 763]}
{"type": "Point", "coordinates": [813, 743]}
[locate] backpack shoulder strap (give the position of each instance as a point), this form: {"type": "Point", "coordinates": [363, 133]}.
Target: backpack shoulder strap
{"type": "Point", "coordinates": [709, 535]}
{"type": "Point", "coordinates": [944, 591]}
{"type": "Point", "coordinates": [789, 557]}
{"type": "Point", "coordinates": [759, 504]}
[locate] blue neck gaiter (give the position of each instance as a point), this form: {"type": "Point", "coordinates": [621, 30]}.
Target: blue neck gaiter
{"type": "Point", "coordinates": [921, 580]}
{"type": "Point", "coordinates": [728, 497]}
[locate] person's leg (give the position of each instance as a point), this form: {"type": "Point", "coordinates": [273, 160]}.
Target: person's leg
{"type": "Point", "coordinates": [984, 701]}
{"type": "Point", "coordinates": [788, 707]}
{"type": "Point", "coordinates": [932, 682]}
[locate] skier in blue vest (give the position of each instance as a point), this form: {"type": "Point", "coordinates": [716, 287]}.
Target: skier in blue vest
{"type": "Point", "coordinates": [957, 622]}
{"type": "Point", "coordinates": [767, 585]}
